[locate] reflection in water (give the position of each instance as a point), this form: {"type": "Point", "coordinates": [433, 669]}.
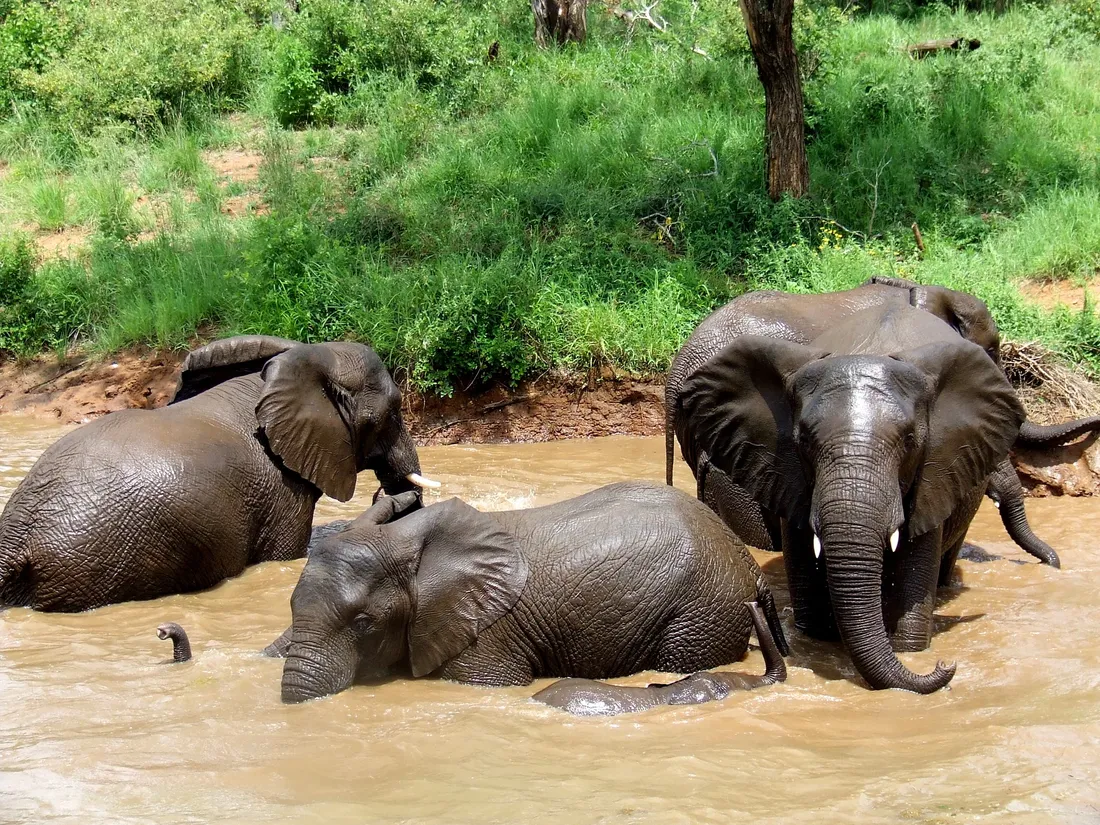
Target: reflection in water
{"type": "Point", "coordinates": [95, 726]}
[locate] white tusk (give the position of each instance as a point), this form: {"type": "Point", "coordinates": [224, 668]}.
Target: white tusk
{"type": "Point", "coordinates": [420, 481]}
{"type": "Point", "coordinates": [997, 504]}
{"type": "Point", "coordinates": [894, 541]}
{"type": "Point", "coordinates": [817, 547]}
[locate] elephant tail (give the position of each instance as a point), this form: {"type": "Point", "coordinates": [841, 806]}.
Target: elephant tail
{"type": "Point", "coordinates": [670, 440]}
{"type": "Point", "coordinates": [767, 603]}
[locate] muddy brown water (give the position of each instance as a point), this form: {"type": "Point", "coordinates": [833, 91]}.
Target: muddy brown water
{"type": "Point", "coordinates": [97, 726]}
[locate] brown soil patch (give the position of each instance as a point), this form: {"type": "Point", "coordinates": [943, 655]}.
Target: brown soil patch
{"type": "Point", "coordinates": [65, 243]}
{"type": "Point", "coordinates": [75, 390]}
{"type": "Point", "coordinates": [1050, 294]}
{"type": "Point", "coordinates": [240, 206]}
{"type": "Point", "coordinates": [234, 165]}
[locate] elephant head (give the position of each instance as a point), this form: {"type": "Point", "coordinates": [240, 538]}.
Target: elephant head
{"type": "Point", "coordinates": [857, 448]}
{"type": "Point", "coordinates": [327, 411]}
{"type": "Point", "coordinates": [411, 594]}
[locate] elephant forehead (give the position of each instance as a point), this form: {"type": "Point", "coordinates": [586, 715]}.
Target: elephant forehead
{"type": "Point", "coordinates": [866, 388]}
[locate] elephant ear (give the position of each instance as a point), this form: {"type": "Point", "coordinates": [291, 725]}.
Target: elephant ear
{"type": "Point", "coordinates": [217, 362]}
{"type": "Point", "coordinates": [471, 572]}
{"type": "Point", "coordinates": [966, 314]}
{"type": "Point", "coordinates": [974, 418]}
{"type": "Point", "coordinates": [304, 414]}
{"type": "Point", "coordinates": [738, 412]}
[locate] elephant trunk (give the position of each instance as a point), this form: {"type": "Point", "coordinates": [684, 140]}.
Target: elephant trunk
{"type": "Point", "coordinates": [398, 470]}
{"type": "Point", "coordinates": [1004, 488]}
{"type": "Point", "coordinates": [181, 645]}
{"type": "Point", "coordinates": [853, 545]}
{"type": "Point", "coordinates": [316, 667]}
{"type": "Point", "coordinates": [1056, 435]}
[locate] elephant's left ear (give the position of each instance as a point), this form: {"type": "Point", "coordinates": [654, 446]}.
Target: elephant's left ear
{"type": "Point", "coordinates": [471, 573]}
{"type": "Point", "coordinates": [304, 412]}
{"type": "Point", "coordinates": [219, 361]}
{"type": "Point", "coordinates": [974, 418]}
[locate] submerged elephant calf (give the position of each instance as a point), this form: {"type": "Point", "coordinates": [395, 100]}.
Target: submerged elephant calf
{"type": "Point", "coordinates": [629, 577]}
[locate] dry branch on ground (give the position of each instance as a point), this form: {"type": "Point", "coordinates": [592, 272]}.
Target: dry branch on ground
{"type": "Point", "coordinates": [1048, 387]}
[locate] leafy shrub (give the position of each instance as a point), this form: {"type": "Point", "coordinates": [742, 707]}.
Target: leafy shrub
{"type": "Point", "coordinates": [296, 85]}
{"type": "Point", "coordinates": [138, 61]}
{"type": "Point", "coordinates": [30, 36]}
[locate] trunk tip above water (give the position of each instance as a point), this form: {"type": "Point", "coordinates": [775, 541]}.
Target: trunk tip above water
{"type": "Point", "coordinates": [181, 645]}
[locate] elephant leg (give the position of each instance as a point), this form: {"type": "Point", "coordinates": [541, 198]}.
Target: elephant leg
{"type": "Point", "coordinates": [912, 594]}
{"type": "Point", "coordinates": [809, 589]}
{"type": "Point", "coordinates": [734, 505]}
{"type": "Point", "coordinates": [954, 534]}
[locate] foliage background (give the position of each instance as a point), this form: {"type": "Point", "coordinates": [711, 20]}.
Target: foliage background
{"type": "Point", "coordinates": [493, 219]}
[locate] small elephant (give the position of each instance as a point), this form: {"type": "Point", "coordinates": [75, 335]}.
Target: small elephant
{"type": "Point", "coordinates": [144, 503]}
{"type": "Point", "coordinates": [868, 453]}
{"type": "Point", "coordinates": [800, 319]}
{"type": "Point", "coordinates": [587, 697]}
{"type": "Point", "coordinates": [628, 577]}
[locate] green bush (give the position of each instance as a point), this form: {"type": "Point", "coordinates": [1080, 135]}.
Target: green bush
{"type": "Point", "coordinates": [31, 34]}
{"type": "Point", "coordinates": [140, 61]}
{"type": "Point", "coordinates": [296, 85]}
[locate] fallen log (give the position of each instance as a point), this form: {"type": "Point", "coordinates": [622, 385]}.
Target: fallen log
{"type": "Point", "coordinates": [921, 50]}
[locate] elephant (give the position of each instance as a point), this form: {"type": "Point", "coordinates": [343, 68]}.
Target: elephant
{"type": "Point", "coordinates": [801, 318]}
{"type": "Point", "coordinates": [628, 577]}
{"type": "Point", "coordinates": [145, 503]}
{"type": "Point", "coordinates": [587, 697]}
{"type": "Point", "coordinates": [868, 452]}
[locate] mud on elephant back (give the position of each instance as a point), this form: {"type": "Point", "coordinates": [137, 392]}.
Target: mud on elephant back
{"type": "Point", "coordinates": [144, 503]}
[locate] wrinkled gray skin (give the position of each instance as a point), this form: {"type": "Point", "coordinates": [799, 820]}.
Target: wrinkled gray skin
{"type": "Point", "coordinates": [587, 697]}
{"type": "Point", "coordinates": [800, 319]}
{"type": "Point", "coordinates": [629, 577]}
{"type": "Point", "coordinates": [181, 645]}
{"type": "Point", "coordinates": [143, 503]}
{"type": "Point", "coordinates": [890, 423]}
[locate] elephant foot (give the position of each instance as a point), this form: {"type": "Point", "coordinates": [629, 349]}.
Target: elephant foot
{"type": "Point", "coordinates": [911, 641]}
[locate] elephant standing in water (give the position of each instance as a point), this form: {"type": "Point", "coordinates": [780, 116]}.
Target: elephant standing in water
{"type": "Point", "coordinates": [629, 577]}
{"type": "Point", "coordinates": [143, 503]}
{"type": "Point", "coordinates": [801, 318]}
{"type": "Point", "coordinates": [871, 450]}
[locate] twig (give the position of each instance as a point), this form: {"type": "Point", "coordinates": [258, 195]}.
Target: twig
{"type": "Point", "coordinates": [650, 15]}
{"type": "Point", "coordinates": [917, 237]}
{"type": "Point", "coordinates": [488, 408]}
{"type": "Point", "coordinates": [838, 225]}
{"type": "Point", "coordinates": [51, 380]}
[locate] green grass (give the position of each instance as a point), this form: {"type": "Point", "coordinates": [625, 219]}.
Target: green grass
{"type": "Point", "coordinates": [551, 209]}
{"type": "Point", "coordinates": [49, 204]}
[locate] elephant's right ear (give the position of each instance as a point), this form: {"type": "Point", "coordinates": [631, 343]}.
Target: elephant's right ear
{"type": "Point", "coordinates": [303, 413]}
{"type": "Point", "coordinates": [471, 572]}
{"type": "Point", "coordinates": [217, 362]}
{"type": "Point", "coordinates": [737, 410]}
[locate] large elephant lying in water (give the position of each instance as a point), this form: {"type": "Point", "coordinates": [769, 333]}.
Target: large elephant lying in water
{"type": "Point", "coordinates": [143, 503]}
{"type": "Point", "coordinates": [871, 449]}
{"type": "Point", "coordinates": [629, 577]}
{"type": "Point", "coordinates": [801, 318]}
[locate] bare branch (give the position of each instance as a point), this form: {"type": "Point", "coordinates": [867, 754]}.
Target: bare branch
{"type": "Point", "coordinates": [652, 17]}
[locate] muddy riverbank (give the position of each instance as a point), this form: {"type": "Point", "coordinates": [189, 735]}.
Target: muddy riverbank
{"type": "Point", "coordinates": [77, 389]}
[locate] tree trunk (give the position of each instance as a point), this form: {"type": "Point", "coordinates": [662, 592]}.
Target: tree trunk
{"type": "Point", "coordinates": [769, 26]}
{"type": "Point", "coordinates": [560, 20]}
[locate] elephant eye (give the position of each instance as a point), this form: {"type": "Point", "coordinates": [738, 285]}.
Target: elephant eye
{"type": "Point", "coordinates": [910, 441]}
{"type": "Point", "coordinates": [362, 622]}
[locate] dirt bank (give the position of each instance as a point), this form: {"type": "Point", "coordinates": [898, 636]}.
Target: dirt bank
{"type": "Point", "coordinates": [76, 390]}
